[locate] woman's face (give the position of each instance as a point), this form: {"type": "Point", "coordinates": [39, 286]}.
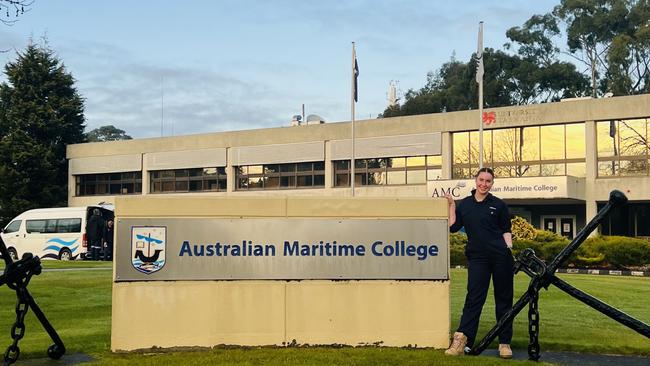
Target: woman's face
{"type": "Point", "coordinates": [484, 182]}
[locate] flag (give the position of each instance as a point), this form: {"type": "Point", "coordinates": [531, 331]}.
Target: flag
{"type": "Point", "coordinates": [479, 55]}
{"type": "Point", "coordinates": [612, 129]}
{"type": "Point", "coordinates": [356, 77]}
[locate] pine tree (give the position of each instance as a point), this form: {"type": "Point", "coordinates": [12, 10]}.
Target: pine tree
{"type": "Point", "coordinates": [40, 113]}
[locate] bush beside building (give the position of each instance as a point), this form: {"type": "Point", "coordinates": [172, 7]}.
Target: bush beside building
{"type": "Point", "coordinates": [607, 252]}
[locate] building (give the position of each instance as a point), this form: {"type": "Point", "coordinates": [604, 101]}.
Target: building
{"type": "Point", "coordinates": [555, 163]}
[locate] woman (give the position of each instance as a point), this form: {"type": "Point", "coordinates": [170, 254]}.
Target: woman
{"type": "Point", "coordinates": [489, 242]}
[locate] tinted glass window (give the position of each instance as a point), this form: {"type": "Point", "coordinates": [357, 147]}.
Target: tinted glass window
{"type": "Point", "coordinates": [13, 226]}
{"type": "Point", "coordinates": [69, 225]}
{"type": "Point", "coordinates": [35, 226]}
{"type": "Point", "coordinates": [50, 226]}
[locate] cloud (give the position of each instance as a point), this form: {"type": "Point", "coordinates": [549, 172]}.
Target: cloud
{"type": "Point", "coordinates": [136, 97]}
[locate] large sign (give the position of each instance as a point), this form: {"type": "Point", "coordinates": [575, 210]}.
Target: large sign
{"type": "Point", "coordinates": [280, 248]}
{"type": "Point", "coordinates": [514, 188]}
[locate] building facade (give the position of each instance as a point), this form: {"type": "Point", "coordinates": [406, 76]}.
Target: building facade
{"type": "Point", "coordinates": [555, 163]}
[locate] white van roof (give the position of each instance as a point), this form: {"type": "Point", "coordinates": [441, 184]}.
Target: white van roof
{"type": "Point", "coordinates": [68, 211]}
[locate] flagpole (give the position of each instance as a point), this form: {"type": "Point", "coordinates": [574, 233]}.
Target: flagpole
{"type": "Point", "coordinates": [479, 79]}
{"type": "Point", "coordinates": [352, 103]}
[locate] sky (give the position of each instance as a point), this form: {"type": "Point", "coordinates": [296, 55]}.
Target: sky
{"type": "Point", "coordinates": [167, 67]}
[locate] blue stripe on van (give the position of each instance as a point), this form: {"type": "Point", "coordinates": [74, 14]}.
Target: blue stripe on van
{"type": "Point", "coordinates": [61, 241]}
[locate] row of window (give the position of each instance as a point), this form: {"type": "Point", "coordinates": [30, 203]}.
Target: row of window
{"type": "Point", "coordinates": [189, 180]}
{"type": "Point", "coordinates": [391, 171]}
{"type": "Point", "coordinates": [522, 152]}
{"type": "Point", "coordinates": [281, 176]}
{"type": "Point", "coordinates": [47, 226]}
{"type": "Point", "coordinates": [388, 171]}
{"type": "Point", "coordinates": [108, 184]}
{"type": "Point", "coordinates": [623, 149]}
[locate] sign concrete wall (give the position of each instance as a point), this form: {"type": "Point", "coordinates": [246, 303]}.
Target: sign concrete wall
{"type": "Point", "coordinates": [189, 307]}
{"type": "Point", "coordinates": [514, 188]}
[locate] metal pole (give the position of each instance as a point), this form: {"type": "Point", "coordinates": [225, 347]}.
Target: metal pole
{"type": "Point", "coordinates": [352, 103]}
{"type": "Point", "coordinates": [480, 101]}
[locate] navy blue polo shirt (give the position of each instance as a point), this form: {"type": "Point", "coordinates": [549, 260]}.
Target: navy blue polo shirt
{"type": "Point", "coordinates": [485, 223]}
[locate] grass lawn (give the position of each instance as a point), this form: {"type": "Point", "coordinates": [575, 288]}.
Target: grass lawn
{"type": "Point", "coordinates": [52, 264]}
{"type": "Point", "coordinates": [79, 305]}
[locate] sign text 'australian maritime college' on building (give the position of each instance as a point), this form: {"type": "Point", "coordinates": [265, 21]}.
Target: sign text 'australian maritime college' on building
{"type": "Point", "coordinates": [281, 248]}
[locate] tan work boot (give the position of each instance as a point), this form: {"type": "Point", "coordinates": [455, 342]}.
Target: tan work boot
{"type": "Point", "coordinates": [505, 351]}
{"type": "Point", "coordinates": [457, 347]}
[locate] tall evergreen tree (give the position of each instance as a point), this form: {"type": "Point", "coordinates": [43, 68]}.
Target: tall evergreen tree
{"type": "Point", "coordinates": [40, 113]}
{"type": "Point", "coordinates": [107, 133]}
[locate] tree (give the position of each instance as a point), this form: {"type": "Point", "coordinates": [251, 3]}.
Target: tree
{"type": "Point", "coordinates": [612, 38]}
{"type": "Point", "coordinates": [107, 133]}
{"type": "Point", "coordinates": [10, 10]}
{"type": "Point", "coordinates": [508, 80]}
{"type": "Point", "coordinates": [40, 113]}
{"type": "Point", "coordinates": [540, 77]}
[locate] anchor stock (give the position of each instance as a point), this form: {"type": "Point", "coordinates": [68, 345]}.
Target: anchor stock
{"type": "Point", "coordinates": [543, 275]}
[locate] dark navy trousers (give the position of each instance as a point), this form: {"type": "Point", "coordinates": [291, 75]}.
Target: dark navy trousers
{"type": "Point", "coordinates": [480, 267]}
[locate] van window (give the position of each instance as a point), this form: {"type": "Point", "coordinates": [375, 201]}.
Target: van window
{"type": "Point", "coordinates": [68, 225]}
{"type": "Point", "coordinates": [35, 226]}
{"type": "Point", "coordinates": [13, 226]}
{"type": "Point", "coordinates": [50, 226]}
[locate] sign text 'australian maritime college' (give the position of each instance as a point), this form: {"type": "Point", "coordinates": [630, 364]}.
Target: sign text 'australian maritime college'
{"type": "Point", "coordinates": [280, 248]}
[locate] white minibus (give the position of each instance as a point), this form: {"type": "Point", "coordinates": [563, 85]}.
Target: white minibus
{"type": "Point", "coordinates": [54, 233]}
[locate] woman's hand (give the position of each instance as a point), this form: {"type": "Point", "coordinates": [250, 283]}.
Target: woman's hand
{"type": "Point", "coordinates": [450, 200]}
{"type": "Point", "coordinates": [452, 208]}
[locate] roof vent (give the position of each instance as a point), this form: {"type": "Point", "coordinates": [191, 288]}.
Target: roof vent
{"type": "Point", "coordinates": [314, 119]}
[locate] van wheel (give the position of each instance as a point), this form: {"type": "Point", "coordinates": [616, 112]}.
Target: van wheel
{"type": "Point", "coordinates": [13, 254]}
{"type": "Point", "coordinates": [65, 254]}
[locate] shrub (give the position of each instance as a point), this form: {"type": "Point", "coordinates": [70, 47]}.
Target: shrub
{"type": "Point", "coordinates": [457, 256]}
{"type": "Point", "coordinates": [619, 251]}
{"type": "Point", "coordinates": [551, 249]}
{"type": "Point", "coordinates": [590, 261]}
{"type": "Point", "coordinates": [458, 239]}
{"type": "Point", "coordinates": [521, 229]}
{"type": "Point", "coordinates": [543, 236]}
{"type": "Point", "coordinates": [519, 245]}
{"type": "Point", "coordinates": [457, 243]}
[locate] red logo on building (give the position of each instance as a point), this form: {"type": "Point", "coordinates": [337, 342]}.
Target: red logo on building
{"type": "Point", "coordinates": [489, 118]}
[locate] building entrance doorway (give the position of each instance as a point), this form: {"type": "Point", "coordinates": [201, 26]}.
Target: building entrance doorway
{"type": "Point", "coordinates": [563, 225]}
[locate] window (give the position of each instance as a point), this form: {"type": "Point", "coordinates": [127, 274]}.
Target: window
{"type": "Point", "coordinates": [52, 226]}
{"type": "Point", "coordinates": [13, 226]}
{"type": "Point", "coordinates": [622, 147]}
{"type": "Point", "coordinates": [403, 170]}
{"type": "Point", "coordinates": [627, 220]}
{"type": "Point", "coordinates": [109, 184]}
{"type": "Point", "coordinates": [281, 176]}
{"type": "Point", "coordinates": [211, 179]}
{"type": "Point", "coordinates": [68, 225]}
{"type": "Point", "coordinates": [36, 226]}
{"type": "Point", "coordinates": [522, 152]}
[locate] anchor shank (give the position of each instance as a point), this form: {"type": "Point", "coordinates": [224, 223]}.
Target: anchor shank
{"type": "Point", "coordinates": [44, 321]}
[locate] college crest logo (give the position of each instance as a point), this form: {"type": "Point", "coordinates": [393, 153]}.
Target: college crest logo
{"type": "Point", "coordinates": [148, 246]}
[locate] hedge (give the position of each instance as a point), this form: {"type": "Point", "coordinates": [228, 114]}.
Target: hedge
{"type": "Point", "coordinates": [615, 252]}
